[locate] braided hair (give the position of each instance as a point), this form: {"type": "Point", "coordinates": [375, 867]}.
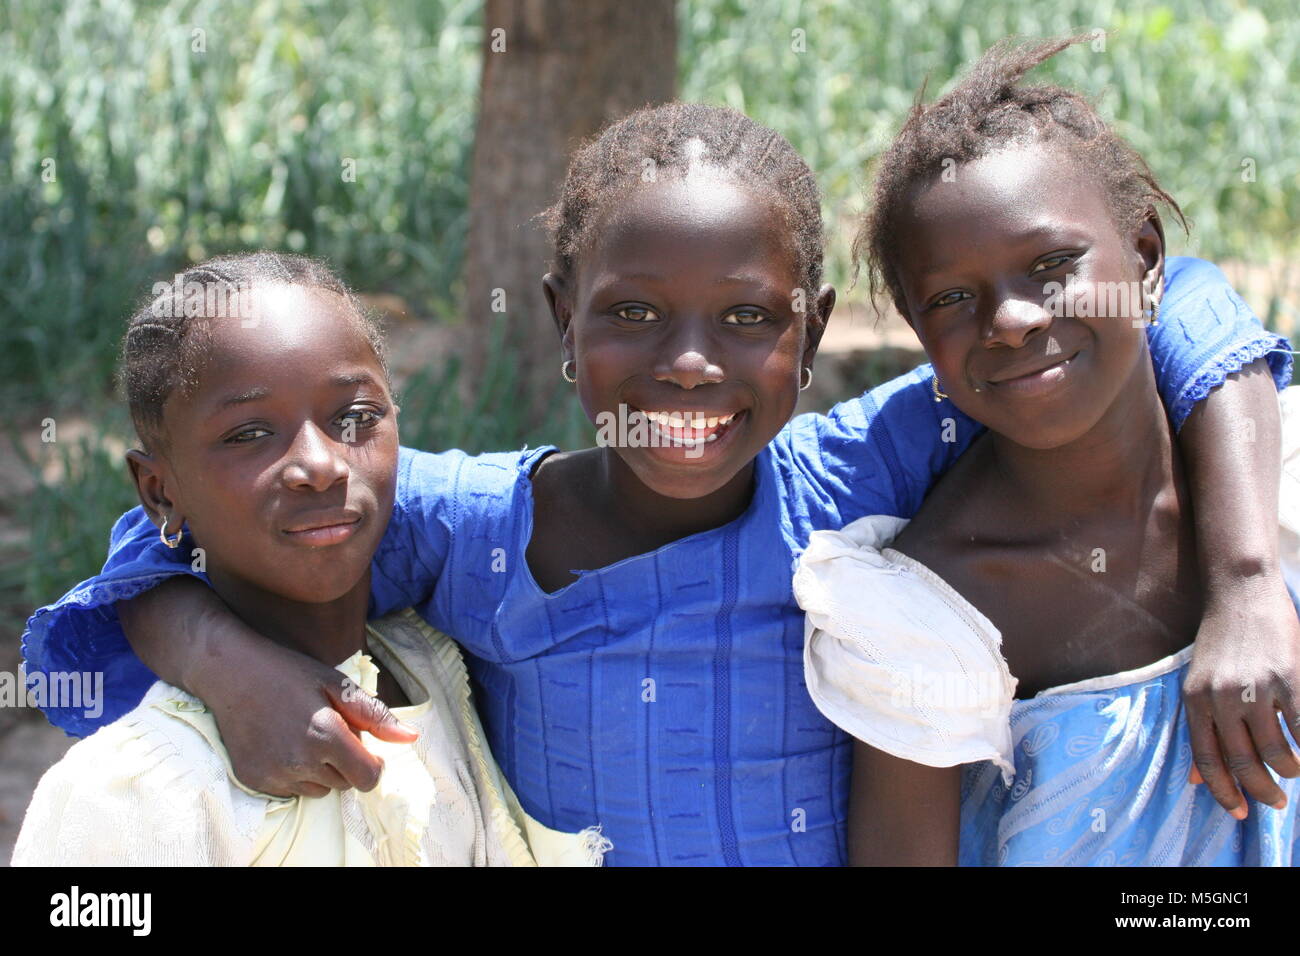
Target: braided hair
{"type": "Point", "coordinates": [674, 139]}
{"type": "Point", "coordinates": [985, 112]}
{"type": "Point", "coordinates": [166, 338]}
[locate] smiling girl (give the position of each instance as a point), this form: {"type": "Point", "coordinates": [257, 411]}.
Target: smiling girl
{"type": "Point", "coordinates": [270, 456]}
{"type": "Point", "coordinates": [628, 610]}
{"type": "Point", "coordinates": [1035, 621]}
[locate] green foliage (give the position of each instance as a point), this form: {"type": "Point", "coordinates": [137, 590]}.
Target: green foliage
{"type": "Point", "coordinates": [81, 486]}
{"type": "Point", "coordinates": [170, 145]}
{"type": "Point", "coordinates": [177, 130]}
{"type": "Point", "coordinates": [1197, 86]}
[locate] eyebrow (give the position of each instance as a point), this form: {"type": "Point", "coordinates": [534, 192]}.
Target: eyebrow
{"type": "Point", "coordinates": [604, 286]}
{"type": "Point", "coordinates": [253, 394]}
{"type": "Point", "coordinates": [352, 378]}
{"type": "Point", "coordinates": [1040, 232]}
{"type": "Point", "coordinates": [760, 282]}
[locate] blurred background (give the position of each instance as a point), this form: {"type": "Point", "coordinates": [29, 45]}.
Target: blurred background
{"type": "Point", "coordinates": [411, 142]}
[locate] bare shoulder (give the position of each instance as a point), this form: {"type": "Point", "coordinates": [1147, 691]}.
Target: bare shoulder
{"type": "Point", "coordinates": [952, 515]}
{"type": "Point", "coordinates": [557, 476]}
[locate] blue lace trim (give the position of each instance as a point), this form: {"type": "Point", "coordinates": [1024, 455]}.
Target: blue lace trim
{"type": "Point", "coordinates": [1212, 376]}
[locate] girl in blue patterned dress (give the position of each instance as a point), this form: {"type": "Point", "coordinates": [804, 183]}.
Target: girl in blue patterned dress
{"type": "Point", "coordinates": [1011, 661]}
{"type": "Point", "coordinates": [627, 609]}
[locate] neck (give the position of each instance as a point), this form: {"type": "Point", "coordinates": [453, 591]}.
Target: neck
{"type": "Point", "coordinates": [649, 514]}
{"type": "Point", "coordinates": [1119, 466]}
{"type": "Point", "coordinates": [330, 632]}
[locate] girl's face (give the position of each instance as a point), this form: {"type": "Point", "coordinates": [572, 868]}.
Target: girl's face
{"type": "Point", "coordinates": [684, 310]}
{"type": "Point", "coordinates": [283, 461]}
{"type": "Point", "coordinates": [1024, 293]}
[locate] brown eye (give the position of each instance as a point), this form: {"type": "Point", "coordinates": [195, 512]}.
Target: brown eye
{"type": "Point", "coordinates": [364, 417]}
{"type": "Point", "coordinates": [246, 436]}
{"type": "Point", "coordinates": [636, 313]}
{"type": "Point", "coordinates": [744, 317]}
{"type": "Point", "coordinates": [1051, 262]}
{"type": "Point", "coordinates": [949, 298]}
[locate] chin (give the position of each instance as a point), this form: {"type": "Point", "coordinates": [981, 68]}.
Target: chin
{"type": "Point", "coordinates": [683, 485]}
{"type": "Point", "coordinates": [318, 590]}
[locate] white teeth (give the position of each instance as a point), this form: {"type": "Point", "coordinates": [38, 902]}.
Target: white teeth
{"type": "Point", "coordinates": [687, 419]}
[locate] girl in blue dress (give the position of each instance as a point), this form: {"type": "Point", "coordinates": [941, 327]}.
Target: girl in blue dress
{"type": "Point", "coordinates": [1033, 625]}
{"type": "Point", "coordinates": [627, 609]}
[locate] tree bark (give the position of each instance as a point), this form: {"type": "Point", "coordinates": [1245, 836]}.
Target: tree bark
{"type": "Point", "coordinates": [568, 68]}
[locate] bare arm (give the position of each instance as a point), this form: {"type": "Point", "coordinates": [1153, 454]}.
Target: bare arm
{"type": "Point", "coordinates": [1246, 666]}
{"type": "Point", "coordinates": [286, 719]}
{"type": "Point", "coordinates": [902, 813]}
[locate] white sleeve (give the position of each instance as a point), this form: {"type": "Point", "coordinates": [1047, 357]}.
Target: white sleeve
{"type": "Point", "coordinates": [146, 790]}
{"type": "Point", "coordinates": [896, 658]}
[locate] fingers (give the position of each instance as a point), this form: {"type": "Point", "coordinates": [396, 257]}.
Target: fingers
{"type": "Point", "coordinates": [363, 712]}
{"type": "Point", "coordinates": [1291, 714]}
{"type": "Point", "coordinates": [1208, 762]}
{"type": "Point", "coordinates": [342, 754]}
{"type": "Point", "coordinates": [1270, 743]}
{"type": "Point", "coordinates": [1243, 762]}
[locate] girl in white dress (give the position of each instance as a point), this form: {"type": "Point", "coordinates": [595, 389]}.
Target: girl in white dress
{"type": "Point", "coordinates": [258, 390]}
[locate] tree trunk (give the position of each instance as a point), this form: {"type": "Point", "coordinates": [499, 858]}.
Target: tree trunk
{"type": "Point", "coordinates": [554, 73]}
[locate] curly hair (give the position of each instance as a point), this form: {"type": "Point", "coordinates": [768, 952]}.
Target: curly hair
{"type": "Point", "coordinates": [986, 111]}
{"type": "Point", "coordinates": [675, 138]}
{"type": "Point", "coordinates": [164, 346]}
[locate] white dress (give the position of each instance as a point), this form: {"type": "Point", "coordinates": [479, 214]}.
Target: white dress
{"type": "Point", "coordinates": [155, 788]}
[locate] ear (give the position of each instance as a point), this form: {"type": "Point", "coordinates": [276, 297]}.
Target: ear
{"type": "Point", "coordinates": [1149, 246]}
{"type": "Point", "coordinates": [150, 476]}
{"type": "Point", "coordinates": [818, 318]}
{"type": "Point", "coordinates": [556, 289]}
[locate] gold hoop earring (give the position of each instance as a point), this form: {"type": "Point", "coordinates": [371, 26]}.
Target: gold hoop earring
{"type": "Point", "coordinates": [934, 384]}
{"type": "Point", "coordinates": [1155, 311]}
{"type": "Point", "coordinates": [565, 374]}
{"type": "Point", "coordinates": [170, 542]}
{"type": "Point", "coordinates": [803, 386]}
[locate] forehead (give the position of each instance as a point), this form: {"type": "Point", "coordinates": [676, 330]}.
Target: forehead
{"type": "Point", "coordinates": [285, 334]}
{"type": "Point", "coordinates": [697, 226]}
{"type": "Point", "coordinates": [1019, 190]}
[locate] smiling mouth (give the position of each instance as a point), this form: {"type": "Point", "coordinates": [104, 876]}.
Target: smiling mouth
{"type": "Point", "coordinates": [690, 429]}
{"type": "Point", "coordinates": [1031, 381]}
{"type": "Point", "coordinates": [324, 531]}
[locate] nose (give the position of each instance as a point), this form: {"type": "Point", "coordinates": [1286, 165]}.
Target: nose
{"type": "Point", "coordinates": [1014, 320]}
{"type": "Point", "coordinates": [314, 462]}
{"type": "Point", "coordinates": [687, 357]}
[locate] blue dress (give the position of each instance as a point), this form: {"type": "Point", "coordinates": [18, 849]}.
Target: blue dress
{"type": "Point", "coordinates": [662, 696]}
{"type": "Point", "coordinates": [1093, 773]}
{"type": "Point", "coordinates": [1101, 780]}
